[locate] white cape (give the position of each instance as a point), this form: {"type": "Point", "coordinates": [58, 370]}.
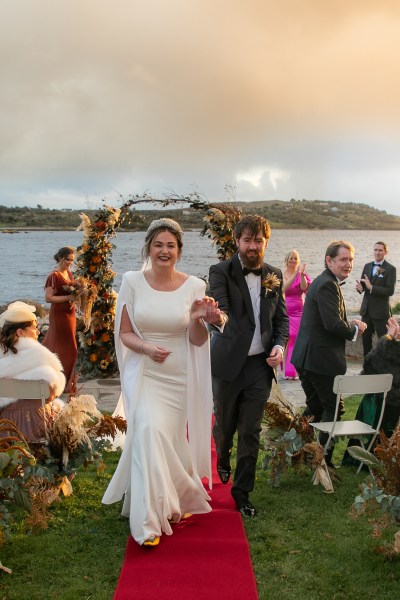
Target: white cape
{"type": "Point", "coordinates": [199, 396]}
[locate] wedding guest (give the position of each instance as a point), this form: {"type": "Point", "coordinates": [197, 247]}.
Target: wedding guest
{"type": "Point", "coordinates": [377, 283]}
{"type": "Point", "coordinates": [295, 284]}
{"type": "Point", "coordinates": [319, 351]}
{"type": "Point", "coordinates": [23, 357]}
{"type": "Point", "coordinates": [245, 352]}
{"type": "Point", "coordinates": [383, 358]}
{"type": "Point", "coordinates": [61, 334]}
{"type": "Point", "coordinates": [162, 349]}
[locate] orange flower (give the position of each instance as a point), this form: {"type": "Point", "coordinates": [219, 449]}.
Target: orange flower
{"type": "Point", "coordinates": [93, 358]}
{"type": "Point", "coordinates": [92, 269]}
{"type": "Point", "coordinates": [105, 337]}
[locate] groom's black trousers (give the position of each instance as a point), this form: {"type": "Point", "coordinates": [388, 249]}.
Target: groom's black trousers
{"type": "Point", "coordinates": [239, 405]}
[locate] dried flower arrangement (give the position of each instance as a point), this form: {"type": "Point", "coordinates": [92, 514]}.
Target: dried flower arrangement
{"type": "Point", "coordinates": [23, 482]}
{"type": "Point", "coordinates": [380, 494]}
{"type": "Point", "coordinates": [85, 292]}
{"type": "Point", "coordinates": [97, 307]}
{"type": "Point", "coordinates": [219, 225]}
{"type": "Point", "coordinates": [289, 441]}
{"type": "Point", "coordinates": [77, 435]}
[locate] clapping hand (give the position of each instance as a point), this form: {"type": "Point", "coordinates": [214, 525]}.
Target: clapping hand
{"type": "Point", "coordinates": [366, 282]}
{"type": "Point", "coordinates": [302, 269]}
{"type": "Point", "coordinates": [359, 287]}
{"type": "Point", "coordinates": [360, 324]}
{"type": "Point", "coordinates": [393, 328]}
{"type": "Point", "coordinates": [206, 309]}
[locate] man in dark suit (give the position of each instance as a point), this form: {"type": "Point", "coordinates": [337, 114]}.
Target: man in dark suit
{"type": "Point", "coordinates": [319, 351]}
{"type": "Point", "coordinates": [377, 282]}
{"type": "Point", "coordinates": [245, 352]}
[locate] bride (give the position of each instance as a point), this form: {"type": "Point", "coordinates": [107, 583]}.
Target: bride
{"type": "Point", "coordinates": [162, 346]}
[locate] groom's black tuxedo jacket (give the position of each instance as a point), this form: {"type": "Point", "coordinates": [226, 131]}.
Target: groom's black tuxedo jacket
{"type": "Point", "coordinates": [324, 329]}
{"type": "Point", "coordinates": [376, 303]}
{"type": "Point", "coordinates": [230, 348]}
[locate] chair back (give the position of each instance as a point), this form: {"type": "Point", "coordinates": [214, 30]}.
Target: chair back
{"type": "Point", "coordinates": [24, 389]}
{"type": "Point", "coordinates": [362, 384]}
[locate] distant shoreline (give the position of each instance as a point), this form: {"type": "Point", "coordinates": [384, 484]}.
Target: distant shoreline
{"type": "Point", "coordinates": [11, 230]}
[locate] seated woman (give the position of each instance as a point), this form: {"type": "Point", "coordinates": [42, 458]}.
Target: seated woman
{"type": "Point", "coordinates": [383, 358]}
{"type": "Point", "coordinates": [23, 357]}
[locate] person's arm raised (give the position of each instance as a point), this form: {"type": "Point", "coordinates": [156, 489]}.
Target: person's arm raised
{"type": "Point", "coordinates": [203, 311]}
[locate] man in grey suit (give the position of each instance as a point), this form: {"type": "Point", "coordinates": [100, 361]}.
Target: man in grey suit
{"type": "Point", "coordinates": [319, 351]}
{"type": "Point", "coordinates": [245, 352]}
{"type": "Point", "coordinates": [377, 283]}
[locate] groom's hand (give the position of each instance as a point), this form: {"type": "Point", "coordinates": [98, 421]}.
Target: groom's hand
{"type": "Point", "coordinates": [275, 358]}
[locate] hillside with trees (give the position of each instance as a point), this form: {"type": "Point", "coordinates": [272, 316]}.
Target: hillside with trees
{"type": "Point", "coordinates": [295, 214]}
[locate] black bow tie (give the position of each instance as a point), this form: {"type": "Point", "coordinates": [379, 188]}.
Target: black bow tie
{"type": "Point", "coordinates": [342, 283]}
{"type": "Point", "coordinates": [246, 271]}
{"type": "Point", "coordinates": [377, 264]}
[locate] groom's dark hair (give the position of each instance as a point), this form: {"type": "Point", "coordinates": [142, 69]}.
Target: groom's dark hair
{"type": "Point", "coordinates": [254, 224]}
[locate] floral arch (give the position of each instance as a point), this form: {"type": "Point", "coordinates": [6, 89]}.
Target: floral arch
{"type": "Point", "coordinates": [94, 270]}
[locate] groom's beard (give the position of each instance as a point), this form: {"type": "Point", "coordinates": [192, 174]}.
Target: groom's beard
{"type": "Point", "coordinates": [251, 260]}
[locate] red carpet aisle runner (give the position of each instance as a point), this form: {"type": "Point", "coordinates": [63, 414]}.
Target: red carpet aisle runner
{"type": "Point", "coordinates": [206, 558]}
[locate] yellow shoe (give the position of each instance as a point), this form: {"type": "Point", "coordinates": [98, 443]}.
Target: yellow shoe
{"type": "Point", "coordinates": [176, 518]}
{"type": "Point", "coordinates": [153, 541]}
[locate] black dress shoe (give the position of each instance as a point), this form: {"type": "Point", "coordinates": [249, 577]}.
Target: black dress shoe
{"type": "Point", "coordinates": [246, 509]}
{"type": "Point", "coordinates": [224, 472]}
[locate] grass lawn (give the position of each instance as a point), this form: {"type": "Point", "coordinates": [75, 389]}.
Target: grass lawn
{"type": "Point", "coordinates": [303, 544]}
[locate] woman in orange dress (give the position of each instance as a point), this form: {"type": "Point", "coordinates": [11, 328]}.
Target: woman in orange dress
{"type": "Point", "coordinates": [61, 335]}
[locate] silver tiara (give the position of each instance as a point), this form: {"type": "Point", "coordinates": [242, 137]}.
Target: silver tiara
{"type": "Point", "coordinates": [170, 223]}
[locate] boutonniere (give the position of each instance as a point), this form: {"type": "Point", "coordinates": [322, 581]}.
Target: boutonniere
{"type": "Point", "coordinates": [380, 271]}
{"type": "Point", "coordinates": [270, 285]}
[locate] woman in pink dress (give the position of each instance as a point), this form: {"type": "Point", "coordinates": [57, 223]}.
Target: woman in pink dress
{"type": "Point", "coordinates": [295, 284]}
{"type": "Point", "coordinates": [61, 335]}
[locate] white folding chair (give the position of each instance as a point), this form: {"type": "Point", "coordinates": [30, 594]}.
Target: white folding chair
{"type": "Point", "coordinates": [356, 384]}
{"type": "Point", "coordinates": [26, 389]}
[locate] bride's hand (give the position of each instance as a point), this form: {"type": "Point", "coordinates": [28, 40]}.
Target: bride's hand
{"type": "Point", "coordinates": [157, 353]}
{"type": "Point", "coordinates": [207, 310]}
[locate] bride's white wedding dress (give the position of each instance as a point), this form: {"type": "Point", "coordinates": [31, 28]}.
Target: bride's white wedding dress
{"type": "Point", "coordinates": [160, 471]}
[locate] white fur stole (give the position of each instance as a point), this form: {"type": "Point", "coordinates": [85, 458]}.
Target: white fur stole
{"type": "Point", "coordinates": [32, 361]}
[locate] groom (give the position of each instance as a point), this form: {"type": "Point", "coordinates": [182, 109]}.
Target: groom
{"type": "Point", "coordinates": [245, 352]}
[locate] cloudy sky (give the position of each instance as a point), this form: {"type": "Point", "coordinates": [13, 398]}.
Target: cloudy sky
{"type": "Point", "coordinates": [277, 100]}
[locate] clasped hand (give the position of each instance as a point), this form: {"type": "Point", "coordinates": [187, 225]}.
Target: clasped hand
{"type": "Point", "coordinates": [275, 357]}
{"type": "Point", "coordinates": [206, 309]}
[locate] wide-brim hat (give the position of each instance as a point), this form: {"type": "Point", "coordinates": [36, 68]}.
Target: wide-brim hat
{"type": "Point", "coordinates": [18, 312]}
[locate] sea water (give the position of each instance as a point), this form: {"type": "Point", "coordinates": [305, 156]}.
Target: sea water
{"type": "Point", "coordinates": [27, 256]}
